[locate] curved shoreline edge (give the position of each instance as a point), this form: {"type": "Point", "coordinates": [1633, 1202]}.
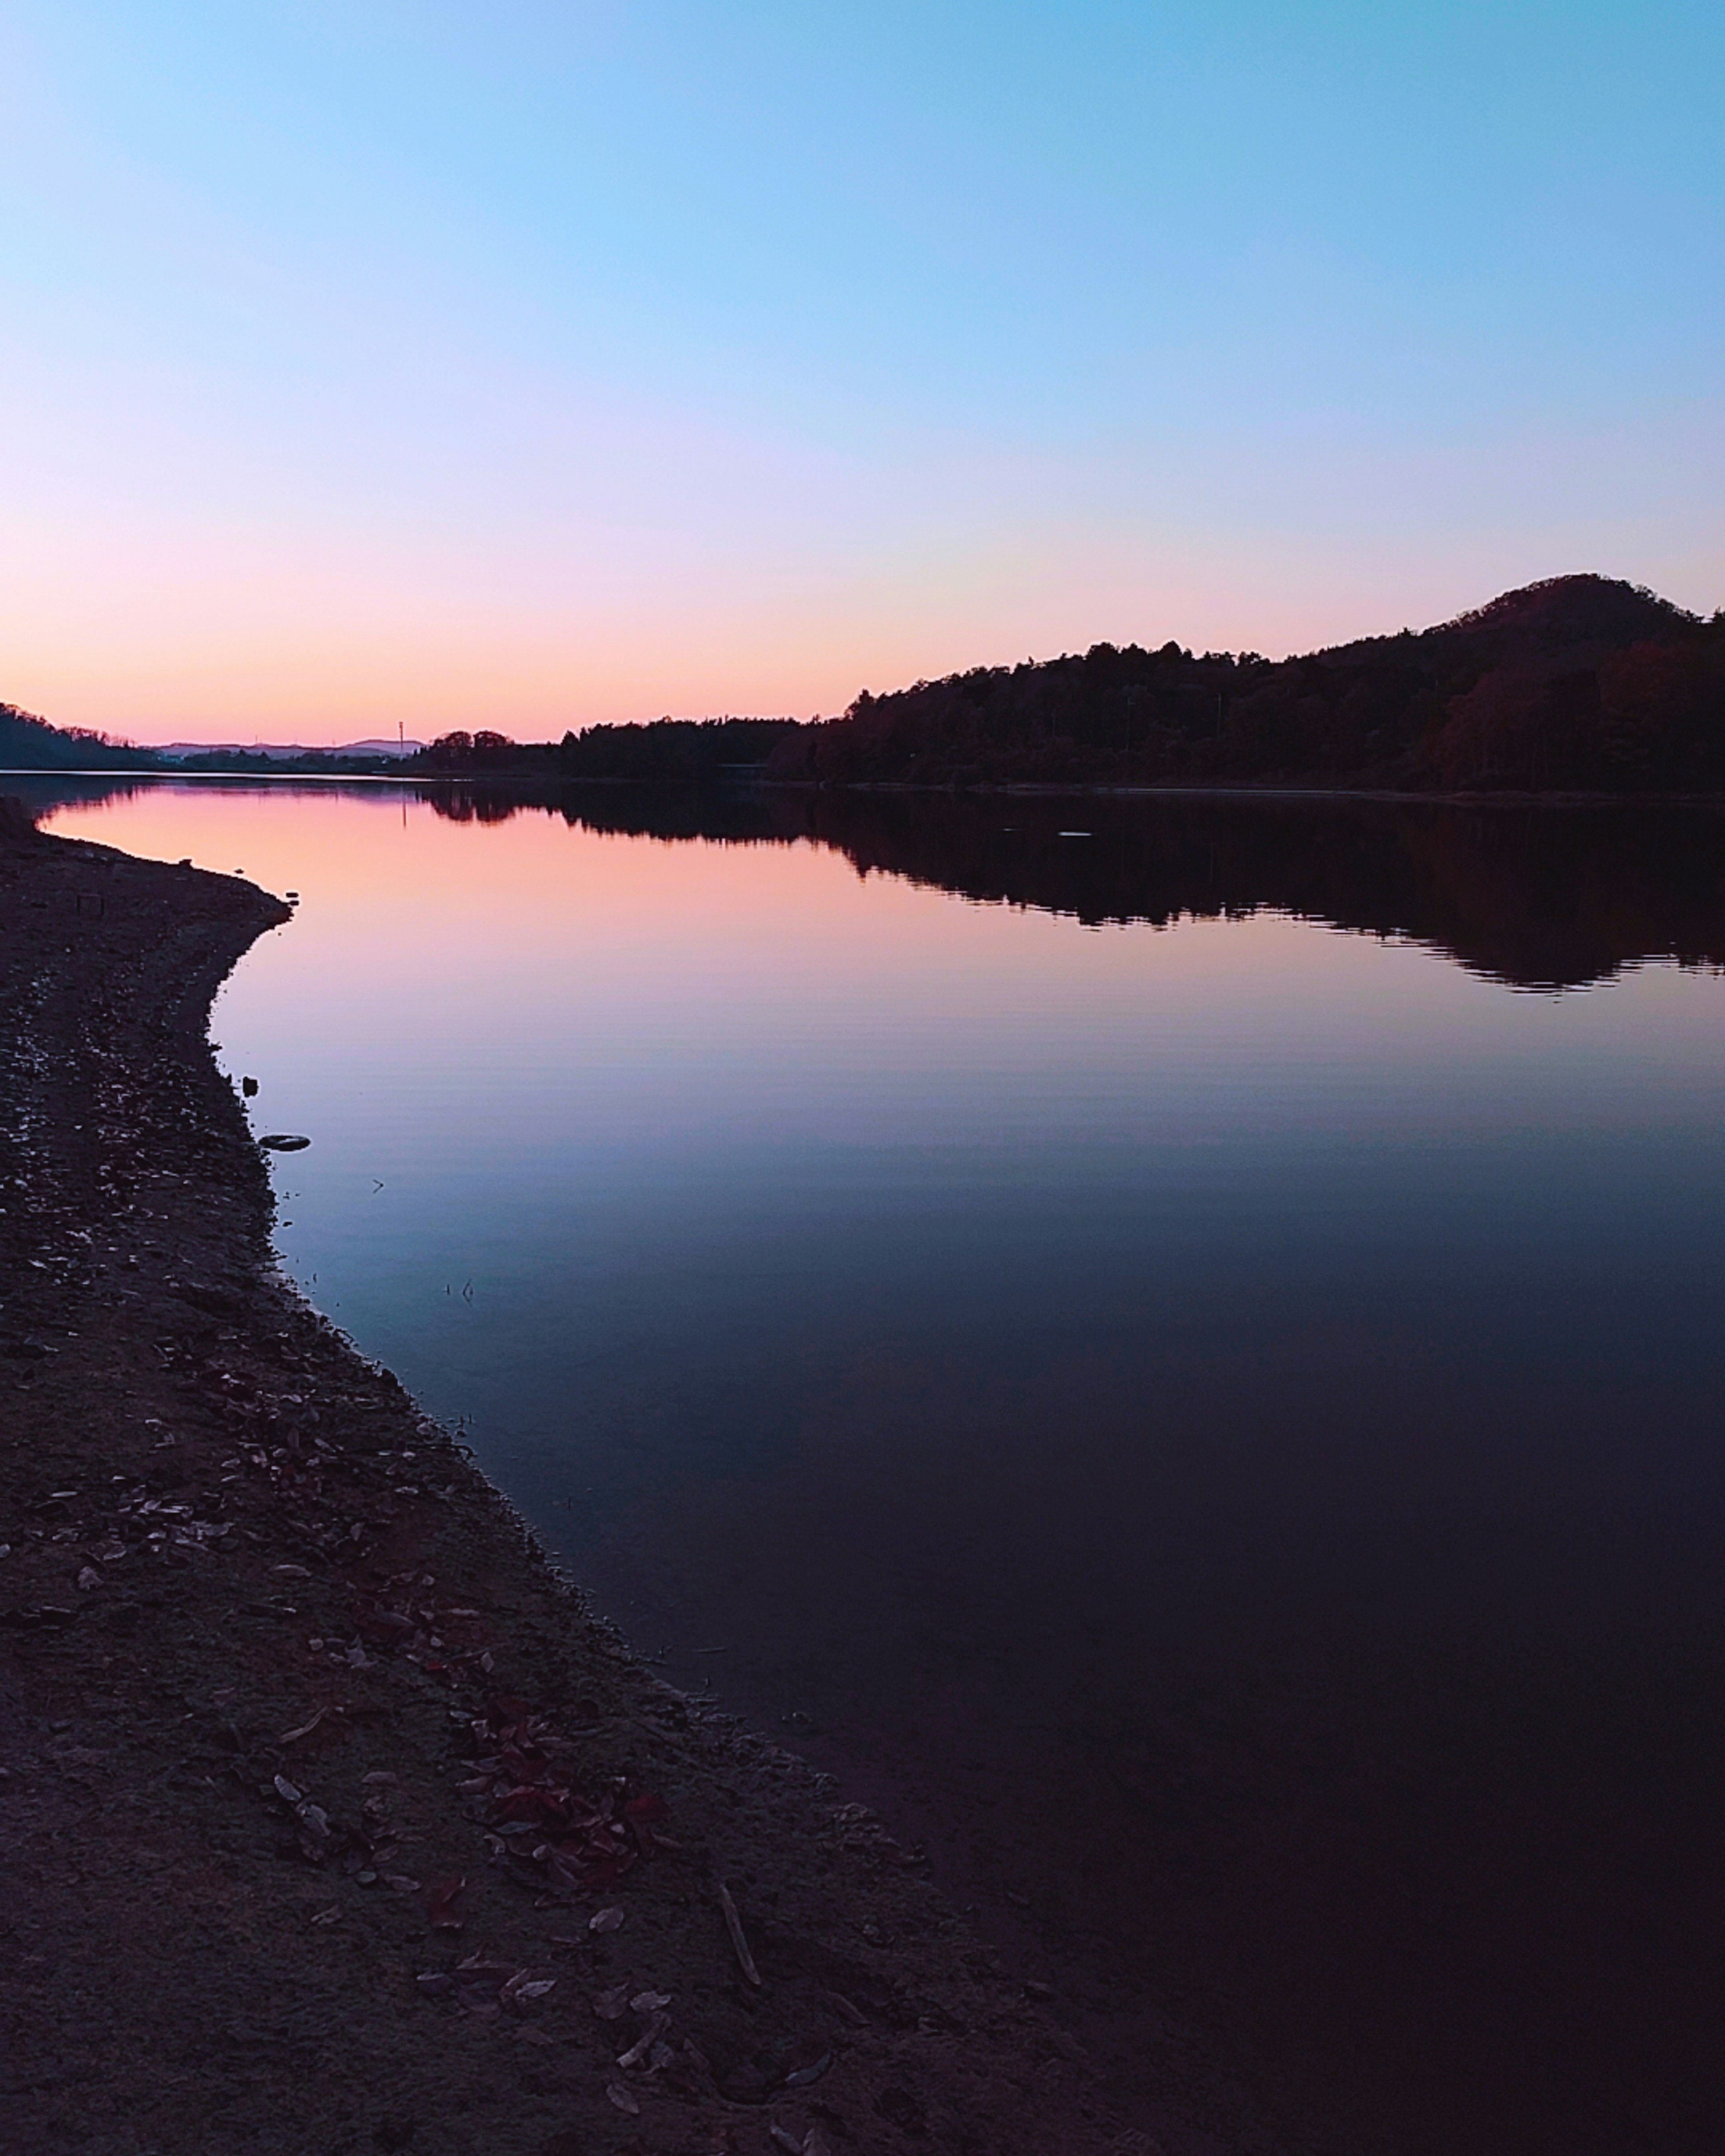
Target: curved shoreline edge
{"type": "Point", "coordinates": [294, 1710]}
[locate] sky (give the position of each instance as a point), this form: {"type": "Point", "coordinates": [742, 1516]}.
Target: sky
{"type": "Point", "coordinates": [380, 362]}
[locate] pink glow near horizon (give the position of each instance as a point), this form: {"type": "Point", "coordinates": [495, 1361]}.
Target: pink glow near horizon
{"type": "Point", "coordinates": [532, 366]}
{"type": "Point", "coordinates": [243, 663]}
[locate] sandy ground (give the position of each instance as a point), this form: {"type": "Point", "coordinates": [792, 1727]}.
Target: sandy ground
{"type": "Point", "coordinates": [333, 1821]}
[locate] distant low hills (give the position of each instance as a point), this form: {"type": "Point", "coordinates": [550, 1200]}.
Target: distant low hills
{"type": "Point", "coordinates": [379, 749]}
{"type": "Point", "coordinates": [29, 743]}
{"type": "Point", "coordinates": [1580, 683]}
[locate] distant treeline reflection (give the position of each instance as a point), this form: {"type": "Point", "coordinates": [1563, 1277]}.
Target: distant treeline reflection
{"type": "Point", "coordinates": [1537, 898]}
{"type": "Point", "coordinates": [1548, 898]}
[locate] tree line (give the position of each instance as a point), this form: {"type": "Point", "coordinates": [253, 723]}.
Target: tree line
{"type": "Point", "coordinates": [1579, 684]}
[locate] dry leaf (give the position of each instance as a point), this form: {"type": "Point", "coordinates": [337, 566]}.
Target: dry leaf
{"type": "Point", "coordinates": [607, 1920]}
{"type": "Point", "coordinates": [623, 2098]}
{"type": "Point", "coordinates": [445, 1905]}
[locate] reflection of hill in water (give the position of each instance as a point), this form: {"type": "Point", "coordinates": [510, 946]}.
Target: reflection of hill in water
{"type": "Point", "coordinates": [1537, 898]}
{"type": "Point", "coordinates": [1548, 898]}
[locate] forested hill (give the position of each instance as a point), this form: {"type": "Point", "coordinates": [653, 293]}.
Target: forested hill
{"type": "Point", "coordinates": [1580, 683]}
{"type": "Point", "coordinates": [28, 743]}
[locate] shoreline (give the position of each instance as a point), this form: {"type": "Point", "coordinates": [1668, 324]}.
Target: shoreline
{"type": "Point", "coordinates": [317, 1773]}
{"type": "Point", "coordinates": [1003, 789]}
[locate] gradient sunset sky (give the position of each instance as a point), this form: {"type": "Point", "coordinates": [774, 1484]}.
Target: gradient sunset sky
{"type": "Point", "coordinates": [526, 365]}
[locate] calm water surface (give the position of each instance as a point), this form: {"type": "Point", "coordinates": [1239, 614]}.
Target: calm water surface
{"type": "Point", "coordinates": [1212, 1420]}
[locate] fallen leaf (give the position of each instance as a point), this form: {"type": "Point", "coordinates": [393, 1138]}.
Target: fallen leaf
{"type": "Point", "coordinates": [445, 1905]}
{"type": "Point", "coordinates": [286, 1791]}
{"type": "Point", "coordinates": [607, 1920]}
{"type": "Point", "coordinates": [623, 2098]}
{"type": "Point", "coordinates": [90, 1576]}
{"type": "Point", "coordinates": [401, 1883]}
{"type": "Point", "coordinates": [434, 1983]}
{"type": "Point", "coordinates": [610, 2005]}
{"type": "Point", "coordinates": [332, 1916]}
{"type": "Point", "coordinates": [650, 2002]}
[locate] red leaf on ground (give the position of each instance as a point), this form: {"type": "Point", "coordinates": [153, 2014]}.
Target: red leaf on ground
{"type": "Point", "coordinates": [446, 1905]}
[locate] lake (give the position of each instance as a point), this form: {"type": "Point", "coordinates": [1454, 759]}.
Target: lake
{"type": "Point", "coordinates": [1175, 1347]}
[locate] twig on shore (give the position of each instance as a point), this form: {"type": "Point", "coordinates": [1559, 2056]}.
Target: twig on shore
{"type": "Point", "coordinates": [733, 1924]}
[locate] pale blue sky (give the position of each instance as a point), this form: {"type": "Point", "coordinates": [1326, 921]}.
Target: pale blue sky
{"type": "Point", "coordinates": [526, 364]}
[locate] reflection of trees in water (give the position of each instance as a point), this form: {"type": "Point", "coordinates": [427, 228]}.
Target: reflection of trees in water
{"type": "Point", "coordinates": [1537, 898]}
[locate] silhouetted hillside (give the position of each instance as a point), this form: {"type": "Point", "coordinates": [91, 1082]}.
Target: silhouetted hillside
{"type": "Point", "coordinates": [1581, 683]}
{"type": "Point", "coordinates": [28, 743]}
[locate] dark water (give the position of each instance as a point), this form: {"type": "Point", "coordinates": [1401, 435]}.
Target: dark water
{"type": "Point", "coordinates": [1213, 1421]}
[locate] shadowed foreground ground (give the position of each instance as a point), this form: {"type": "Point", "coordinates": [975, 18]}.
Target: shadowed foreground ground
{"type": "Point", "coordinates": [317, 1784]}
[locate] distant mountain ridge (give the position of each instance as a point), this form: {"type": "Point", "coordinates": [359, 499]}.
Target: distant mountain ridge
{"type": "Point", "coordinates": [30, 743]}
{"type": "Point", "coordinates": [285, 751]}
